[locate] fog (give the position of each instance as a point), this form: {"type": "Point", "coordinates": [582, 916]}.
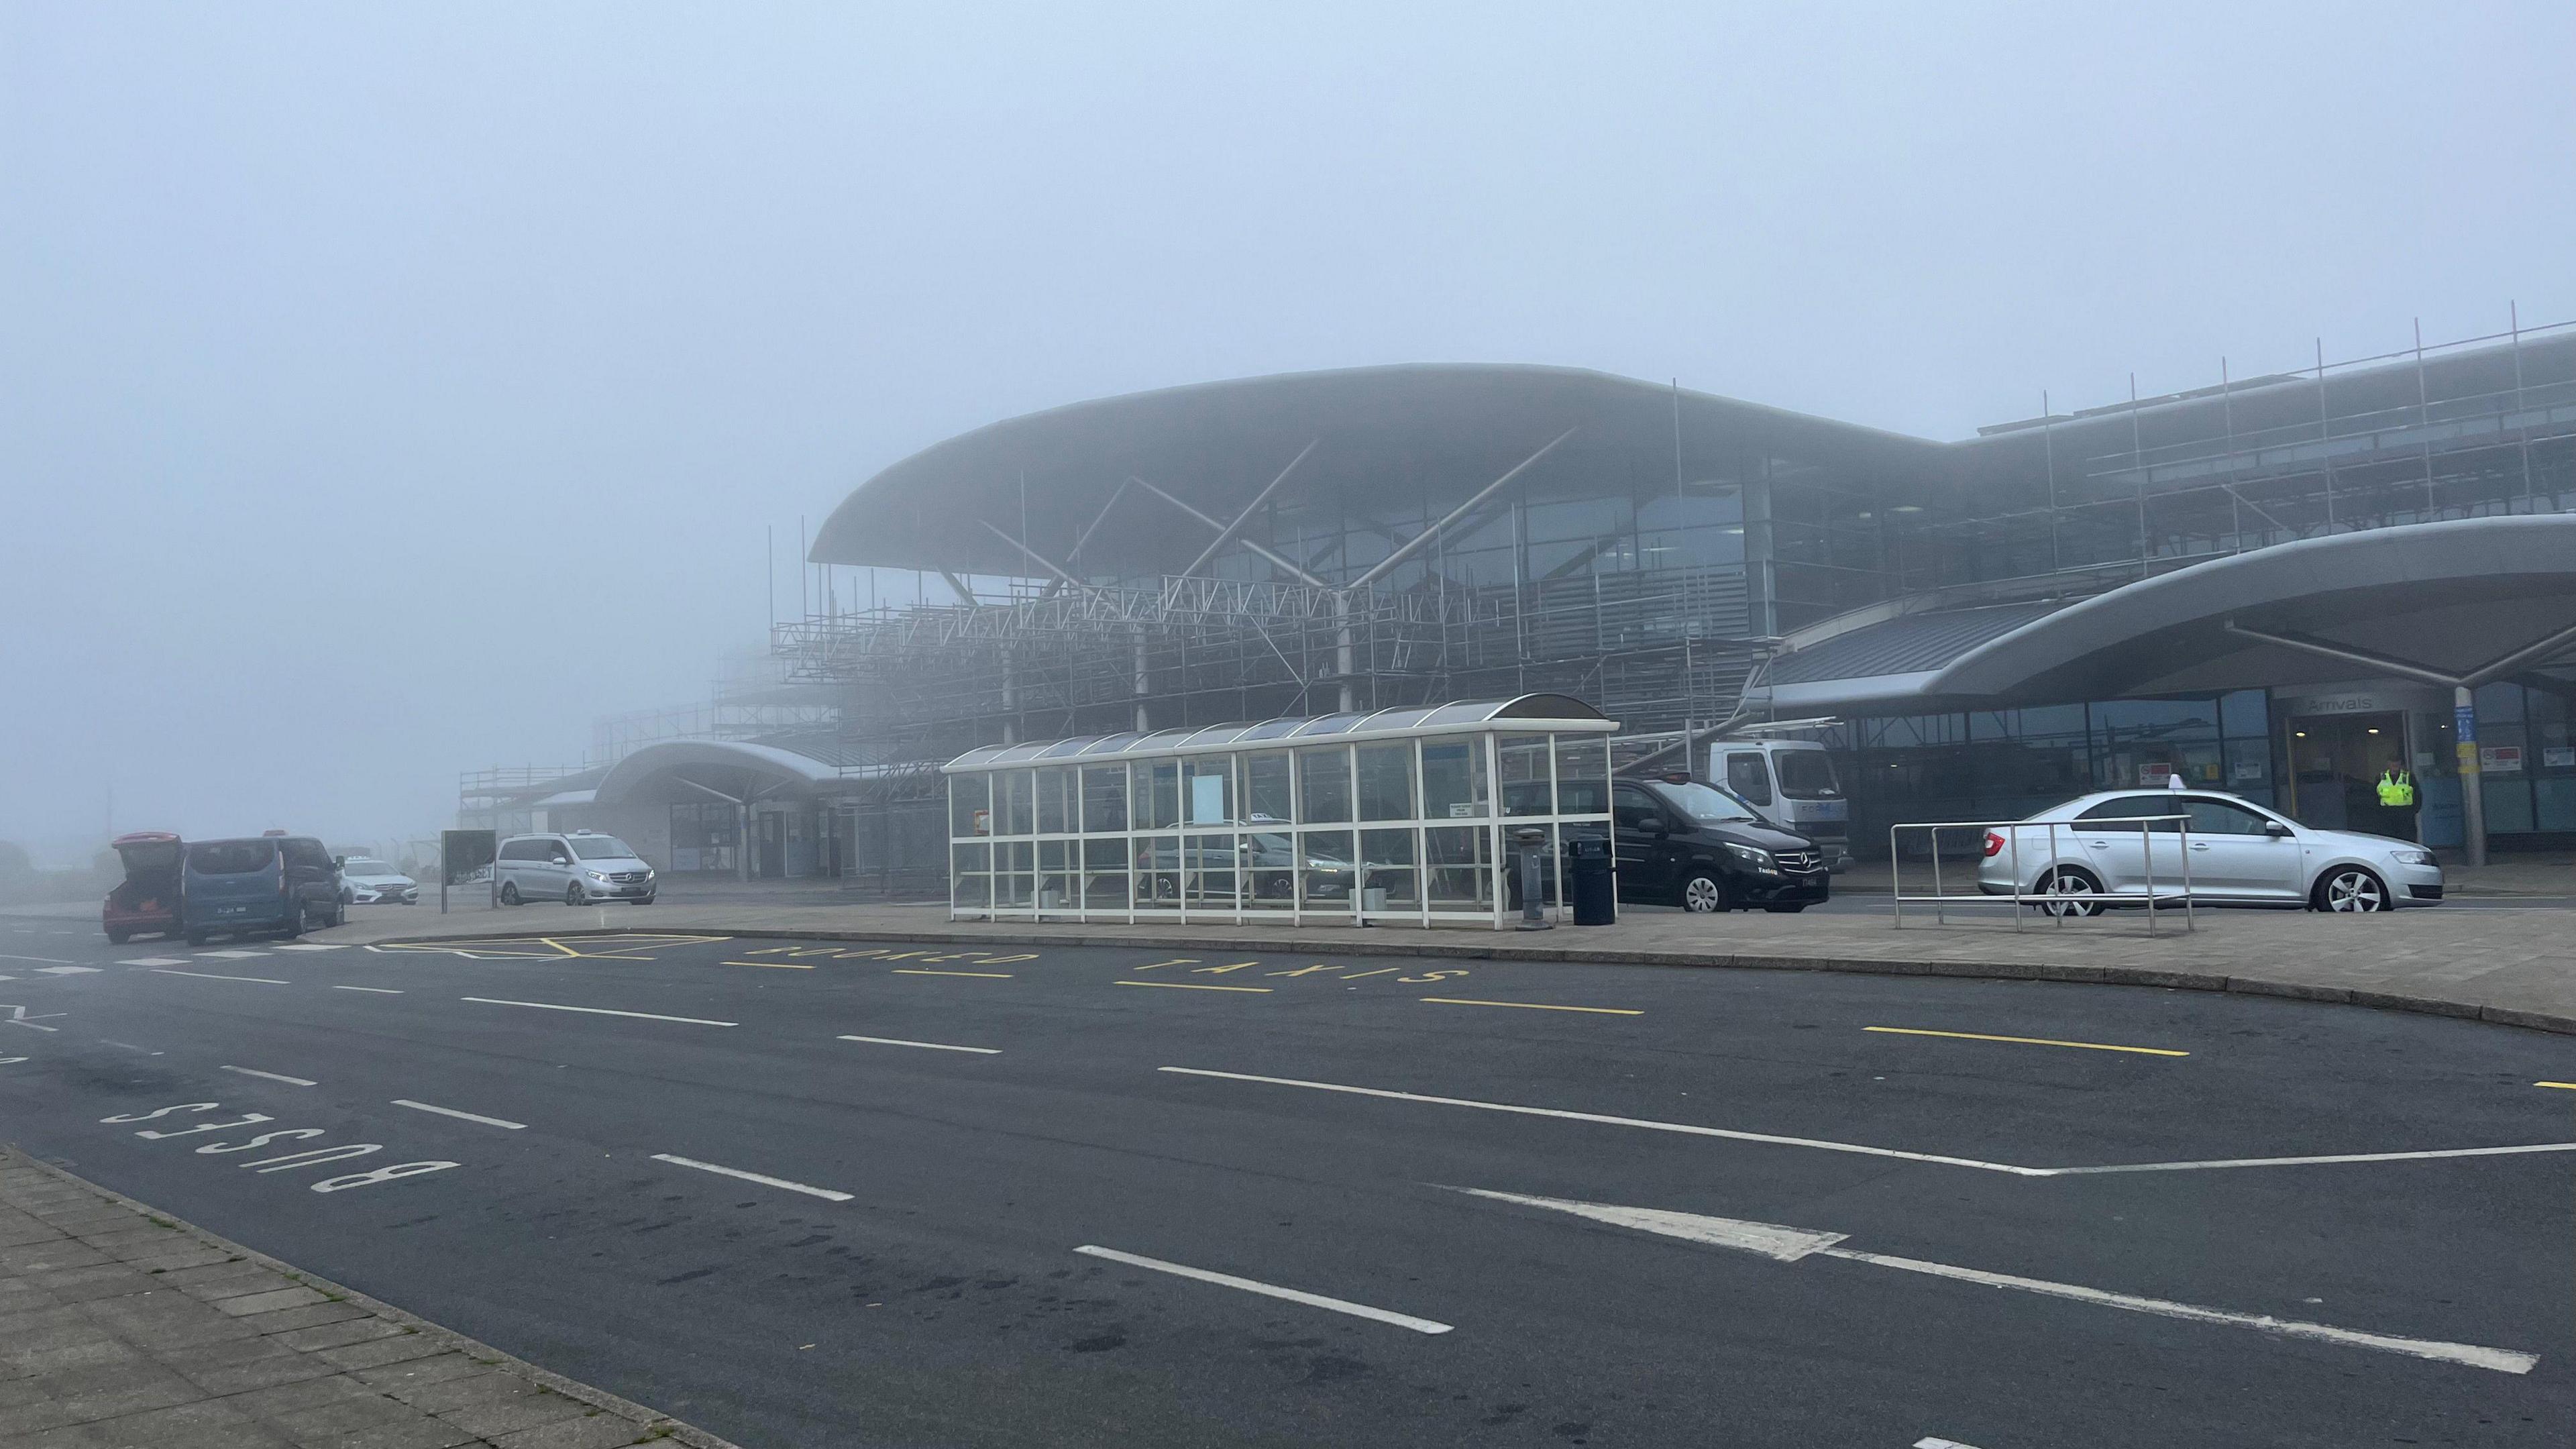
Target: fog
{"type": "Point", "coordinates": [388, 391]}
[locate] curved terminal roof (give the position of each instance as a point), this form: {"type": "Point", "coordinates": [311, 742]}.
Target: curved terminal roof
{"type": "Point", "coordinates": [1047, 477]}
{"type": "Point", "coordinates": [1535, 712]}
{"type": "Point", "coordinates": [2445, 596]}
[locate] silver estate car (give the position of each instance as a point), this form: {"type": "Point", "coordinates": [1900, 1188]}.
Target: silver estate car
{"type": "Point", "coordinates": [2239, 854]}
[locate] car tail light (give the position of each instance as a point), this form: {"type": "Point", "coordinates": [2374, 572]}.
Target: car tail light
{"type": "Point", "coordinates": [1994, 845]}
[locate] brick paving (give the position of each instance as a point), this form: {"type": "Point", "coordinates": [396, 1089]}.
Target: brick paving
{"type": "Point", "coordinates": [124, 1329]}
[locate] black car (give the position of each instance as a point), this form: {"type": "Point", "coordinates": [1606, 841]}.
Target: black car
{"type": "Point", "coordinates": [1686, 844]}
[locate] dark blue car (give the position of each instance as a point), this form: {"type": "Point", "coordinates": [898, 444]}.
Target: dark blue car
{"type": "Point", "coordinates": [274, 883]}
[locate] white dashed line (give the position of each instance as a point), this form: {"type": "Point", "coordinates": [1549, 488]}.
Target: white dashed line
{"type": "Point", "coordinates": [310, 946]}
{"type": "Point", "coordinates": [821, 1192]}
{"type": "Point", "coordinates": [936, 1046]}
{"type": "Point", "coordinates": [129, 1046]}
{"type": "Point", "coordinates": [1928, 1442]}
{"type": "Point", "coordinates": [272, 1076]}
{"type": "Point", "coordinates": [462, 1116]}
{"type": "Point", "coordinates": [379, 990]}
{"type": "Point", "coordinates": [1685, 1128]}
{"type": "Point", "coordinates": [155, 961]}
{"type": "Point", "coordinates": [598, 1011]}
{"type": "Point", "coordinates": [216, 976]}
{"type": "Point", "coordinates": [228, 955]}
{"type": "Point", "coordinates": [67, 970]}
{"type": "Point", "coordinates": [1268, 1290]}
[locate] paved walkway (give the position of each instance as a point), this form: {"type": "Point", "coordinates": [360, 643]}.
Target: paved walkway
{"type": "Point", "coordinates": [2497, 963]}
{"type": "Point", "coordinates": [121, 1329]}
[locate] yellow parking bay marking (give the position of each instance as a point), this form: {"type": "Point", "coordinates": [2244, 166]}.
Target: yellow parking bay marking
{"type": "Point", "coordinates": [616, 947]}
{"type": "Point", "coordinates": [2562, 1086]}
{"type": "Point", "coordinates": [1195, 986]}
{"type": "Point", "coordinates": [778, 965]}
{"type": "Point", "coordinates": [2089, 1046]}
{"type": "Point", "coordinates": [925, 971]}
{"type": "Point", "coordinates": [1532, 1006]}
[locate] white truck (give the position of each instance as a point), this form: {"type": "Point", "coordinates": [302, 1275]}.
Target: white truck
{"type": "Point", "coordinates": [1792, 782]}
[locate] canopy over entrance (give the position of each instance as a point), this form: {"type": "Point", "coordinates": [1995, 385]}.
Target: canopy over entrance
{"type": "Point", "coordinates": [2446, 603]}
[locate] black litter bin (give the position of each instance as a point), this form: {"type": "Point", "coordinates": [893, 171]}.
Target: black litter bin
{"type": "Point", "coordinates": [1589, 885]}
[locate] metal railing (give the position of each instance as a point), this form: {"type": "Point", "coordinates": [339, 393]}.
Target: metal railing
{"type": "Point", "coordinates": [2053, 900]}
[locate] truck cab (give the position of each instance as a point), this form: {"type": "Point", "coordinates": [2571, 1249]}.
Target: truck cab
{"type": "Point", "coordinates": [1792, 783]}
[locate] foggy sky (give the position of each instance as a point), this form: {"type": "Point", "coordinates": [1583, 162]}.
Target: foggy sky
{"type": "Point", "coordinates": [390, 390]}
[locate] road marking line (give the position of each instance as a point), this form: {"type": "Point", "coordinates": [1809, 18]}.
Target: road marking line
{"type": "Point", "coordinates": [1194, 986]}
{"type": "Point", "coordinates": [218, 976]}
{"type": "Point", "coordinates": [67, 970]}
{"type": "Point", "coordinates": [925, 971]}
{"type": "Point", "coordinates": [1268, 1290]}
{"type": "Point", "coordinates": [311, 946]}
{"type": "Point", "coordinates": [2563, 1086]}
{"type": "Point", "coordinates": [936, 1046]}
{"type": "Point", "coordinates": [379, 990]}
{"type": "Point", "coordinates": [2520, 1151]}
{"type": "Point", "coordinates": [273, 1076]}
{"type": "Point", "coordinates": [2090, 1046]}
{"type": "Point", "coordinates": [129, 1046]}
{"type": "Point", "coordinates": [18, 1017]}
{"type": "Point", "coordinates": [2501, 1360]}
{"type": "Point", "coordinates": [821, 1192]}
{"type": "Point", "coordinates": [228, 955]}
{"type": "Point", "coordinates": [1788, 1244]}
{"type": "Point", "coordinates": [780, 965]}
{"type": "Point", "coordinates": [56, 960]}
{"type": "Point", "coordinates": [1929, 1442]}
{"type": "Point", "coordinates": [1531, 1006]}
{"type": "Point", "coordinates": [155, 961]}
{"type": "Point", "coordinates": [1381, 971]}
{"type": "Point", "coordinates": [598, 1011]}
{"type": "Point", "coordinates": [462, 1116]}
{"type": "Point", "coordinates": [1685, 1128]}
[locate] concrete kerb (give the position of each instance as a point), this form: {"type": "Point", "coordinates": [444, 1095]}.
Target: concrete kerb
{"type": "Point", "coordinates": [1516, 951]}
{"type": "Point", "coordinates": [644, 1419]}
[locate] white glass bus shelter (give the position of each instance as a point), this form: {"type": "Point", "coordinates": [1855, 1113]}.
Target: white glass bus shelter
{"type": "Point", "coordinates": [1402, 816]}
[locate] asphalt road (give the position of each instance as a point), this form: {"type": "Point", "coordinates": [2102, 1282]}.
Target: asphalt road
{"type": "Point", "coordinates": [909, 1271]}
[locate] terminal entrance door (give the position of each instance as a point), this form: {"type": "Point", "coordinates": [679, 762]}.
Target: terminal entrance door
{"type": "Point", "coordinates": [2335, 764]}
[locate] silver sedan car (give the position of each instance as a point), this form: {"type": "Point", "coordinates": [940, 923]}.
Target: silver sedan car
{"type": "Point", "coordinates": [2236, 853]}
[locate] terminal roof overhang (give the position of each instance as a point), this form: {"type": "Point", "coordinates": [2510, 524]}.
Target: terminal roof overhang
{"type": "Point", "coordinates": [2447, 597]}
{"type": "Point", "coordinates": [1215, 445]}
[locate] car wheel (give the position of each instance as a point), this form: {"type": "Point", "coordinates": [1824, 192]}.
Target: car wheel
{"type": "Point", "coordinates": [117, 938]}
{"type": "Point", "coordinates": [2350, 888]}
{"type": "Point", "coordinates": [348, 897]}
{"type": "Point", "coordinates": [572, 894]}
{"type": "Point", "coordinates": [1704, 894]}
{"type": "Point", "coordinates": [1790, 909]}
{"type": "Point", "coordinates": [293, 926]}
{"type": "Point", "coordinates": [2064, 881]}
{"type": "Point", "coordinates": [509, 893]}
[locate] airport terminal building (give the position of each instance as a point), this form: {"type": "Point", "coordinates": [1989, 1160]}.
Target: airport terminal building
{"type": "Point", "coordinates": [2279, 585]}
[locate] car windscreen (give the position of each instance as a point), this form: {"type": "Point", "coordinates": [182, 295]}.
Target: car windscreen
{"type": "Point", "coordinates": [1707, 806]}
{"type": "Point", "coordinates": [231, 857]}
{"type": "Point", "coordinates": [360, 865]}
{"type": "Point", "coordinates": [1807, 775]}
{"type": "Point", "coordinates": [601, 847]}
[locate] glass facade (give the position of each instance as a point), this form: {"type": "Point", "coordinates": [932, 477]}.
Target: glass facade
{"type": "Point", "coordinates": [2006, 764]}
{"type": "Point", "coordinates": [1392, 818]}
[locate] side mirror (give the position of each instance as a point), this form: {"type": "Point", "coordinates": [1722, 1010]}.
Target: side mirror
{"type": "Point", "coordinates": [2276, 830]}
{"type": "Point", "coordinates": [559, 860]}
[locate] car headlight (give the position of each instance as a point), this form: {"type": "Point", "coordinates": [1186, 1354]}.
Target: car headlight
{"type": "Point", "coordinates": [1753, 856]}
{"type": "Point", "coordinates": [597, 876]}
{"type": "Point", "coordinates": [2411, 857]}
